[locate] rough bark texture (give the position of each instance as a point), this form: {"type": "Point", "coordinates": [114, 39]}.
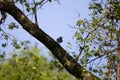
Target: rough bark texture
{"type": "Point", "coordinates": [118, 59]}
{"type": "Point", "coordinates": [69, 63]}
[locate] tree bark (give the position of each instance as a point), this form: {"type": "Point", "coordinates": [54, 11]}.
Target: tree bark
{"type": "Point", "coordinates": [69, 63]}
{"type": "Point", "coordinates": [118, 58]}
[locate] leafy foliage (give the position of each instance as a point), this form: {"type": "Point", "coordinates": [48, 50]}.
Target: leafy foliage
{"type": "Point", "coordinates": [29, 64]}
{"type": "Point", "coordinates": [12, 26]}
{"type": "Point", "coordinates": [99, 37]}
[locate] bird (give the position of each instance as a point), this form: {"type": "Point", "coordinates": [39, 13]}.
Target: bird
{"type": "Point", "coordinates": [59, 40]}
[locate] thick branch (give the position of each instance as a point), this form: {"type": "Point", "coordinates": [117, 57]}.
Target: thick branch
{"type": "Point", "coordinates": [66, 60]}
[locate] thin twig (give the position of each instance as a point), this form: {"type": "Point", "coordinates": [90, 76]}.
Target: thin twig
{"type": "Point", "coordinates": [72, 27]}
{"type": "Point", "coordinates": [95, 59]}
{"type": "Point", "coordinates": [80, 52]}
{"type": "Point", "coordinates": [35, 12]}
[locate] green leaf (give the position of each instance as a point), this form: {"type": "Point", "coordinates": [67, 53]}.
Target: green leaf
{"type": "Point", "coordinates": [114, 57]}
{"type": "Point", "coordinates": [105, 11]}
{"type": "Point", "coordinates": [4, 45]}
{"type": "Point", "coordinates": [95, 71]}
{"type": "Point", "coordinates": [12, 25]}
{"type": "Point", "coordinates": [28, 7]}
{"type": "Point", "coordinates": [82, 30]}
{"type": "Point", "coordinates": [80, 22]}
{"type": "Point", "coordinates": [16, 45]}
{"type": "Point", "coordinates": [92, 6]}
{"type": "Point", "coordinates": [6, 37]}
{"type": "Point", "coordinates": [78, 36]}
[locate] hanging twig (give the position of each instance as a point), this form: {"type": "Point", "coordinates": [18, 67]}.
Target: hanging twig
{"type": "Point", "coordinates": [35, 12]}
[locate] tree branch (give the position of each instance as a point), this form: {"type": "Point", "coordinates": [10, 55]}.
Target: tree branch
{"type": "Point", "coordinates": [66, 60]}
